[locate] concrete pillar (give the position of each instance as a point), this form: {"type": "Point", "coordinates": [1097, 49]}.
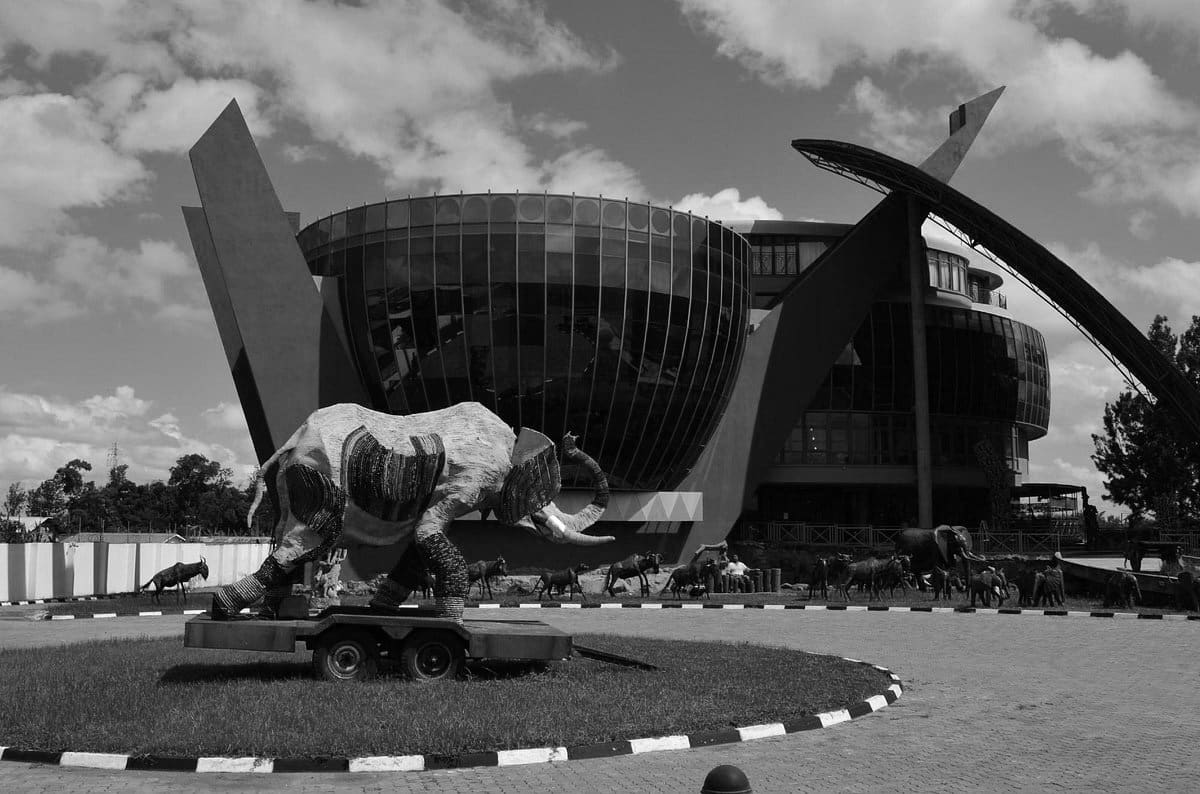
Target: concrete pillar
{"type": "Point", "coordinates": [918, 277]}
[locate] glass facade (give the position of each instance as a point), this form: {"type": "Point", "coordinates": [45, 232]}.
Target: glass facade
{"type": "Point", "coordinates": [621, 322]}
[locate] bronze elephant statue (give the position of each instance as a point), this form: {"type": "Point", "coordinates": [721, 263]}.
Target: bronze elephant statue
{"type": "Point", "coordinates": [944, 546]}
{"type": "Point", "coordinates": [350, 474]}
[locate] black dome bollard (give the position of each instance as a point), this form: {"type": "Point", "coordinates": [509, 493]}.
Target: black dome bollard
{"type": "Point", "coordinates": [726, 779]}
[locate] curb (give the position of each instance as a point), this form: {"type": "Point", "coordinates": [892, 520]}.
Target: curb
{"type": "Point", "coordinates": [494, 758]}
{"type": "Point", "coordinates": [686, 605]}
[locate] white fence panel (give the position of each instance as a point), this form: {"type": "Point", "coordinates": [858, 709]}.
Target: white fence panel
{"type": "Point", "coordinates": [30, 571]}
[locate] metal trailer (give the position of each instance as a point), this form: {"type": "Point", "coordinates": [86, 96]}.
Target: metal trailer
{"type": "Point", "coordinates": [347, 642]}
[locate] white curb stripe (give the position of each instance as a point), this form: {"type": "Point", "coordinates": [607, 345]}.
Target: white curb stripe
{"type": "Point", "coordinates": [692, 606]}
{"type": "Point", "coordinates": [570, 606]}
{"type": "Point", "coordinates": [62, 617]}
{"type": "Point", "coordinates": [895, 690]}
{"type": "Point", "coordinates": [105, 615]}
{"type": "Point", "coordinates": [773, 606]}
{"type": "Point", "coordinates": [607, 605]}
{"type": "Point", "coordinates": [194, 611]}
{"type": "Point", "coordinates": [533, 755]}
{"type": "Point", "coordinates": [234, 764]}
{"type": "Point", "coordinates": [834, 717]}
{"type": "Point", "coordinates": [148, 614]}
{"type": "Point", "coordinates": [529, 606]}
{"type": "Point", "coordinates": [659, 743]}
{"type": "Point", "coordinates": [877, 702]}
{"type": "Point", "coordinates": [651, 606]}
{"type": "Point", "coordinates": [388, 763]}
{"type": "Point", "coordinates": [95, 760]}
{"type": "Point", "coordinates": [761, 731]}
{"type": "Point", "coordinates": [732, 606]}
{"type": "Point", "coordinates": [488, 606]}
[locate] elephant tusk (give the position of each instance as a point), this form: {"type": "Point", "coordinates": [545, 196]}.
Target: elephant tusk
{"type": "Point", "coordinates": [580, 539]}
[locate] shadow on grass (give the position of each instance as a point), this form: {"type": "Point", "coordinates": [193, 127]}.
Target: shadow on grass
{"type": "Point", "coordinates": [256, 671]}
{"type": "Point", "coordinates": [184, 674]}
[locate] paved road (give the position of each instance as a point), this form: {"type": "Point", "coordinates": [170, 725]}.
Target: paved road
{"type": "Point", "coordinates": [991, 703]}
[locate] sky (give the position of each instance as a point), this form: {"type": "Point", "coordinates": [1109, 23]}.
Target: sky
{"type": "Point", "coordinates": [106, 337]}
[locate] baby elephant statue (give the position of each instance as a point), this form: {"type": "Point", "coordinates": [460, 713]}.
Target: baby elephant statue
{"type": "Point", "coordinates": [988, 583]}
{"type": "Point", "coordinates": [1121, 590]}
{"type": "Point", "coordinates": [356, 476]}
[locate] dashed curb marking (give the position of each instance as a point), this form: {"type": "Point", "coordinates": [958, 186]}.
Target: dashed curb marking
{"type": "Point", "coordinates": [496, 758]}
{"type": "Point", "coordinates": [962, 610]}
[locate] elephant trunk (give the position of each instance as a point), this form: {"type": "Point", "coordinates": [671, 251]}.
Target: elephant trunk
{"type": "Point", "coordinates": [553, 524]}
{"type": "Point", "coordinates": [590, 513]}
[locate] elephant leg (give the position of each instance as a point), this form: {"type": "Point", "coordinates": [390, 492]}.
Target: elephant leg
{"type": "Point", "coordinates": [407, 575]}
{"type": "Point", "coordinates": [317, 504]}
{"type": "Point", "coordinates": [448, 566]}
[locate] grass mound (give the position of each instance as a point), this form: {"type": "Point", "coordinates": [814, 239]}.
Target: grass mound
{"type": "Point", "coordinates": [154, 697]}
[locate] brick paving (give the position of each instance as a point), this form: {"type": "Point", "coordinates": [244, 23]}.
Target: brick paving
{"type": "Point", "coordinates": [991, 703]}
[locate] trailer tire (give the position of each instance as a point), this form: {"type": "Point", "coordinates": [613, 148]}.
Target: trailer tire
{"type": "Point", "coordinates": [432, 655]}
{"type": "Point", "coordinates": [347, 656]}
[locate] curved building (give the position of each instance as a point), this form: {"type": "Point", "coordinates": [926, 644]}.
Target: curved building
{"type": "Point", "coordinates": [800, 371]}
{"type": "Point", "coordinates": [621, 322]}
{"type": "Point", "coordinates": [850, 459]}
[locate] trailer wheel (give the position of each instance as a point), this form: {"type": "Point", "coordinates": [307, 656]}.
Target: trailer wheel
{"type": "Point", "coordinates": [347, 656]}
{"type": "Point", "coordinates": [432, 655]}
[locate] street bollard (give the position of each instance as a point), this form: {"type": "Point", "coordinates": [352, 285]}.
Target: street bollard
{"type": "Point", "coordinates": [726, 779]}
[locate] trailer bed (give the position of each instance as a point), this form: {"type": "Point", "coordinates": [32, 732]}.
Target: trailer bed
{"type": "Point", "coordinates": [482, 639]}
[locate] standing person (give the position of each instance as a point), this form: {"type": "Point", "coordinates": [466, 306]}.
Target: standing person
{"type": "Point", "coordinates": [1091, 524]}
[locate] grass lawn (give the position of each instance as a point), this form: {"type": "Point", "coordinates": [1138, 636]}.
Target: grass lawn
{"type": "Point", "coordinates": [156, 697]}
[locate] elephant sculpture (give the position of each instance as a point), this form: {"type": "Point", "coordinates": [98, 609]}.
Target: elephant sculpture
{"type": "Point", "coordinates": [353, 475]}
{"type": "Point", "coordinates": [943, 547]}
{"type": "Point", "coordinates": [1121, 589]}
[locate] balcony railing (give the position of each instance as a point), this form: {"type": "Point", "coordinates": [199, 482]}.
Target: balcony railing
{"type": "Point", "coordinates": [990, 297]}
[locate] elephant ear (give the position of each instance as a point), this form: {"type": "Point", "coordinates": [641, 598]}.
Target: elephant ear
{"type": "Point", "coordinates": [533, 479]}
{"type": "Point", "coordinates": [941, 536]}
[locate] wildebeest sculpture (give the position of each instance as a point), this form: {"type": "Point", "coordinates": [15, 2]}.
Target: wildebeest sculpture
{"type": "Point", "coordinates": [483, 571]}
{"type": "Point", "coordinates": [176, 576]}
{"type": "Point", "coordinates": [567, 578]}
{"type": "Point", "coordinates": [633, 565]}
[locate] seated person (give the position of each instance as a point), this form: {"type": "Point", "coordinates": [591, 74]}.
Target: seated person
{"type": "Point", "coordinates": [737, 570]}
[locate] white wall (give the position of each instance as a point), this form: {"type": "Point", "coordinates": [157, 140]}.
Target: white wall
{"type": "Point", "coordinates": [30, 571]}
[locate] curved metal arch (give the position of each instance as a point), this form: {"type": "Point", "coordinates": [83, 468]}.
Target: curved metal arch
{"type": "Point", "coordinates": [1065, 288]}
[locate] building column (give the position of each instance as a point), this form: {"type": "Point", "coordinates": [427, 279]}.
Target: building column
{"type": "Point", "coordinates": [918, 277]}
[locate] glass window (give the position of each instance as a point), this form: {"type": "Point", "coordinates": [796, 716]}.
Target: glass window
{"type": "Point", "coordinates": [355, 221]}
{"type": "Point", "coordinates": [587, 212]}
{"type": "Point", "coordinates": [660, 221]}
{"type": "Point", "coordinates": [338, 230]}
{"type": "Point", "coordinates": [558, 210]}
{"type": "Point", "coordinates": [448, 210]}
{"type": "Point", "coordinates": [639, 216]}
{"type": "Point", "coordinates": [474, 209]}
{"type": "Point", "coordinates": [614, 214]}
{"type": "Point", "coordinates": [422, 211]}
{"type": "Point", "coordinates": [503, 209]}
{"type": "Point", "coordinates": [533, 209]}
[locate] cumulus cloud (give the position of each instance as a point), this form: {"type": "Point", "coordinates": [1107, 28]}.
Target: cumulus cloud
{"type": "Point", "coordinates": [171, 119]}
{"type": "Point", "coordinates": [1141, 224]}
{"type": "Point", "coordinates": [226, 416]}
{"type": "Point", "coordinates": [1112, 115]}
{"type": "Point", "coordinates": [55, 156]}
{"type": "Point", "coordinates": [57, 279]}
{"type": "Point", "coordinates": [40, 433]}
{"type": "Point", "coordinates": [728, 205]}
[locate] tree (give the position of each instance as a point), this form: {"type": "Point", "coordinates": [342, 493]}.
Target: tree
{"type": "Point", "coordinates": [1150, 466]}
{"type": "Point", "coordinates": [15, 501]}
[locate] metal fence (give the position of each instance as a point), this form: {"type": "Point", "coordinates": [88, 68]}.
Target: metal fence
{"type": "Point", "coordinates": [1041, 541]}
